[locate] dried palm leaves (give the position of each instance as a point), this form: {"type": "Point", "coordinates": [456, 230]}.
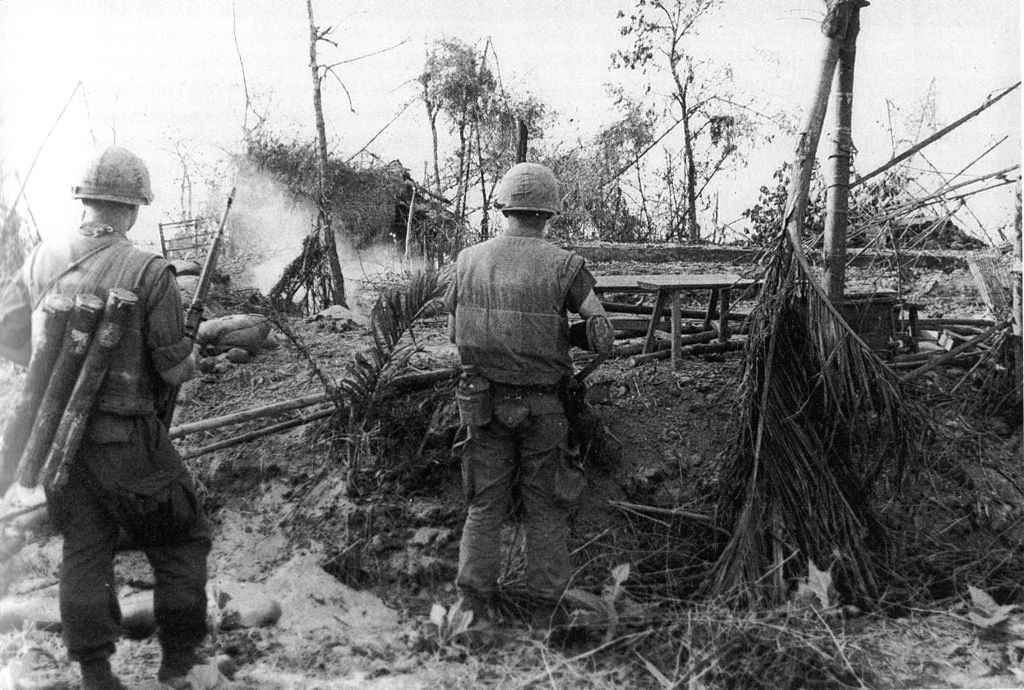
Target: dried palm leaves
{"type": "Point", "coordinates": [820, 417]}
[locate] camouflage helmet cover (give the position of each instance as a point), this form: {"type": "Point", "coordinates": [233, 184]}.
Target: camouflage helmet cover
{"type": "Point", "coordinates": [118, 175]}
{"type": "Point", "coordinates": [529, 187]}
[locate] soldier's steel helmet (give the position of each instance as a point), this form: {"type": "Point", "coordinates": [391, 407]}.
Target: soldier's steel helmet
{"type": "Point", "coordinates": [528, 187]}
{"type": "Point", "coordinates": [118, 175]}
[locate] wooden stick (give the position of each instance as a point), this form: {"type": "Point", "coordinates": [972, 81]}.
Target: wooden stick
{"type": "Point", "coordinates": [259, 433]}
{"type": "Point", "coordinates": [613, 307]}
{"type": "Point", "coordinates": [700, 348]}
{"type": "Point", "coordinates": [705, 520]}
{"type": "Point", "coordinates": [989, 102]}
{"type": "Point", "coordinates": [398, 384]}
{"type": "Point", "coordinates": [931, 324]}
{"type": "Point", "coordinates": [247, 415]}
{"type": "Point", "coordinates": [953, 353]}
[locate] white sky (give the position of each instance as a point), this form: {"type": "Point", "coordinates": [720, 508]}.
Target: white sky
{"type": "Point", "coordinates": [164, 71]}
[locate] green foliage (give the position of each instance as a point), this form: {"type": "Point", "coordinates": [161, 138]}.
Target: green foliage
{"type": "Point", "coordinates": [766, 216]}
{"type": "Point", "coordinates": [364, 199]}
{"type": "Point", "coordinates": [461, 90]}
{"type": "Point", "coordinates": [714, 124]}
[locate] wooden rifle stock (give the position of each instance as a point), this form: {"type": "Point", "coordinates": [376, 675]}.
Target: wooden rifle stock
{"type": "Point", "coordinates": [195, 309]}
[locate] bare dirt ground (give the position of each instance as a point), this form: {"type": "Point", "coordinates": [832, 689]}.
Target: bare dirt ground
{"type": "Point", "coordinates": [356, 561]}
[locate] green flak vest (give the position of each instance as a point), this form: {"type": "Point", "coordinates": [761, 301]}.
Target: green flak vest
{"type": "Point", "coordinates": [106, 262]}
{"type": "Point", "coordinates": [510, 311]}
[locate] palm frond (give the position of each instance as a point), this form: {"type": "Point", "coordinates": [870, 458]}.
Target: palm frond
{"type": "Point", "coordinates": [396, 311]}
{"type": "Point", "coordinates": [820, 417]}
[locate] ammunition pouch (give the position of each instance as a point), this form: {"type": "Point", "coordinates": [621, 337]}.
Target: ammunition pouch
{"type": "Point", "coordinates": [513, 415]}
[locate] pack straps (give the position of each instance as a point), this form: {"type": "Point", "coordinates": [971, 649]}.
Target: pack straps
{"type": "Point", "coordinates": [100, 267]}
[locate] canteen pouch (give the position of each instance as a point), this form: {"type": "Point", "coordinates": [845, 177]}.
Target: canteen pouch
{"type": "Point", "coordinates": [473, 396]}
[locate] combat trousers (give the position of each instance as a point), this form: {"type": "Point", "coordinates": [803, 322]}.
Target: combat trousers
{"type": "Point", "coordinates": [102, 505]}
{"type": "Point", "coordinates": [495, 458]}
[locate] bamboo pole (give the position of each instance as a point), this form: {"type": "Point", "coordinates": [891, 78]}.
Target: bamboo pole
{"type": "Point", "coordinates": [838, 192]}
{"type": "Point", "coordinates": [989, 102]}
{"type": "Point", "coordinates": [810, 133]}
{"type": "Point", "coordinates": [259, 433]}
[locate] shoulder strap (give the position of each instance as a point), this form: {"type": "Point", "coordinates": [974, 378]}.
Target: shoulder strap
{"type": "Point", "coordinates": [99, 268]}
{"type": "Point", "coordinates": [67, 269]}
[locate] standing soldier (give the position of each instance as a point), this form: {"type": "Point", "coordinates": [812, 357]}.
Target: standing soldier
{"type": "Point", "coordinates": [126, 474]}
{"type": "Point", "coordinates": [508, 304]}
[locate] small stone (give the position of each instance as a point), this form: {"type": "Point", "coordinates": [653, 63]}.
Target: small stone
{"type": "Point", "coordinates": [237, 355]}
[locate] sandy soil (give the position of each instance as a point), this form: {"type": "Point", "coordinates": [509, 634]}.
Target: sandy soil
{"type": "Point", "coordinates": [355, 567]}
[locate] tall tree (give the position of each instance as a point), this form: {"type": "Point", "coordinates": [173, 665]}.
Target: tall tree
{"type": "Point", "coordinates": [711, 123]}
{"type": "Point", "coordinates": [324, 226]}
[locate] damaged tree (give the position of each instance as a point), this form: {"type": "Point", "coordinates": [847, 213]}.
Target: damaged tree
{"type": "Point", "coordinates": [316, 269]}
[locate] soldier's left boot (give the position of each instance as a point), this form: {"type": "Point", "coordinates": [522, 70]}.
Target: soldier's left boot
{"type": "Point", "coordinates": [97, 675]}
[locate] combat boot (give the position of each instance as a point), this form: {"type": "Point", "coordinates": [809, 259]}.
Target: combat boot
{"type": "Point", "coordinates": [183, 669]}
{"type": "Point", "coordinates": [97, 675]}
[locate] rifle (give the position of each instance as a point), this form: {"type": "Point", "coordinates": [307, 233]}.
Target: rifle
{"type": "Point", "coordinates": [195, 309]}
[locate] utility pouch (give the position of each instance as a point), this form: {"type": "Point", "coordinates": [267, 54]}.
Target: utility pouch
{"type": "Point", "coordinates": [158, 509]}
{"type": "Point", "coordinates": [473, 395]}
{"type": "Point", "coordinates": [569, 479]}
{"type": "Point", "coordinates": [512, 414]}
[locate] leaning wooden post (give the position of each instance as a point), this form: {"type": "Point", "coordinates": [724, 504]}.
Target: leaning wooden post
{"type": "Point", "coordinates": [838, 193]}
{"type": "Point", "coordinates": [1017, 341]}
{"type": "Point", "coordinates": [834, 27]}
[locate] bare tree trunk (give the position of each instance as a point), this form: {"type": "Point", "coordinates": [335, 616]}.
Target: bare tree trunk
{"type": "Point", "coordinates": [1017, 341]}
{"type": "Point", "coordinates": [337, 288]}
{"type": "Point", "coordinates": [838, 199]}
{"type": "Point", "coordinates": [485, 198]}
{"type": "Point", "coordinates": [810, 134]}
{"type": "Point", "coordinates": [408, 226]}
{"type": "Point", "coordinates": [692, 228]}
{"type": "Point", "coordinates": [432, 116]}
{"type": "Point", "coordinates": [522, 137]}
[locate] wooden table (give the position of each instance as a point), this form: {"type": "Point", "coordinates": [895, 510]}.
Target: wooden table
{"type": "Point", "coordinates": [670, 287]}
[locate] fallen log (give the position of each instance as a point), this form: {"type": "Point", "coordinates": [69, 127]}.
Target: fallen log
{"type": "Point", "coordinates": [399, 384]}
{"type": "Point", "coordinates": [953, 353]}
{"type": "Point", "coordinates": [936, 324]}
{"type": "Point", "coordinates": [961, 360]}
{"type": "Point", "coordinates": [699, 349]}
{"type": "Point", "coordinates": [258, 433]}
{"type": "Point", "coordinates": [248, 415]}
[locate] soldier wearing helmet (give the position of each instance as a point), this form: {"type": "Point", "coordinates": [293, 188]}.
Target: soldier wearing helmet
{"type": "Point", "coordinates": [508, 303]}
{"type": "Point", "coordinates": [127, 480]}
